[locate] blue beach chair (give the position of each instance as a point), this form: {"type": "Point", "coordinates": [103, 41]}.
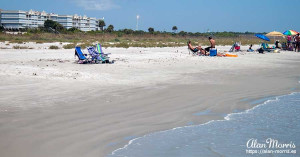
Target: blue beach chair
{"type": "Point", "coordinates": [82, 59]}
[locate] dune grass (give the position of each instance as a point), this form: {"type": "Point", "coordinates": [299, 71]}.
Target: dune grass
{"type": "Point", "coordinates": [125, 40]}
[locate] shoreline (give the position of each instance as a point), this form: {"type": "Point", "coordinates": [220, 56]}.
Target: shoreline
{"type": "Point", "coordinates": [56, 114]}
{"type": "Point", "coordinates": [226, 118]}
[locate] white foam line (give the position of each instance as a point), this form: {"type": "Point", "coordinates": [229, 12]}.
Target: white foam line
{"type": "Point", "coordinates": [227, 118]}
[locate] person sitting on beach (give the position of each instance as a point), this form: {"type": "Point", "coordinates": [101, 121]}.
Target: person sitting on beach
{"type": "Point", "coordinates": [202, 51]}
{"type": "Point", "coordinates": [250, 48]}
{"type": "Point", "coordinates": [212, 44]}
{"type": "Point", "coordinates": [196, 49]}
{"type": "Point", "coordinates": [277, 45]}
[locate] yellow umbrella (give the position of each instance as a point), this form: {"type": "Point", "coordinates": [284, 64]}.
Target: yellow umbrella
{"type": "Point", "coordinates": [275, 34]}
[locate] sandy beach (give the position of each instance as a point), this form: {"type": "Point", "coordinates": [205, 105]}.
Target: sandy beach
{"type": "Point", "coordinates": [50, 106]}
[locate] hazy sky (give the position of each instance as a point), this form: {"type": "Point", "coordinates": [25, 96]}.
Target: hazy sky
{"type": "Point", "coordinates": [187, 15]}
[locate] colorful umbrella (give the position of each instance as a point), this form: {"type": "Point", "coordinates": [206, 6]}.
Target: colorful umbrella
{"type": "Point", "coordinates": [290, 32]}
{"type": "Point", "coordinates": [263, 37]}
{"type": "Point", "coordinates": [275, 34]}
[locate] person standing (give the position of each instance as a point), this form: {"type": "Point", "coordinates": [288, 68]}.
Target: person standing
{"type": "Point", "coordinates": [289, 39]}
{"type": "Point", "coordinates": [297, 42]}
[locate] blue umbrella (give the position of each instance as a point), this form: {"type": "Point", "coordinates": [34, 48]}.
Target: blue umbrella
{"type": "Point", "coordinates": [263, 37]}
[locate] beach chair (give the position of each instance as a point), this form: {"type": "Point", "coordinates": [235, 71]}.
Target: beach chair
{"type": "Point", "coordinates": [266, 47]}
{"type": "Point", "coordinates": [96, 56]}
{"type": "Point", "coordinates": [82, 59]}
{"type": "Point", "coordinates": [100, 51]}
{"type": "Point", "coordinates": [194, 53]}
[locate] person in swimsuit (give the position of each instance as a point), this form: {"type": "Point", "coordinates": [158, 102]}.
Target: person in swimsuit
{"type": "Point", "coordinates": [196, 49]}
{"type": "Point", "coordinates": [212, 44]}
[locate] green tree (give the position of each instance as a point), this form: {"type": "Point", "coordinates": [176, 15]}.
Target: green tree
{"type": "Point", "coordinates": [151, 30]}
{"type": "Point", "coordinates": [174, 28]}
{"type": "Point", "coordinates": [73, 29]}
{"type": "Point", "coordinates": [49, 24]}
{"type": "Point", "coordinates": [54, 25]}
{"type": "Point", "coordinates": [110, 28]}
{"type": "Point", "coordinates": [182, 33]}
{"type": "Point", "coordinates": [101, 24]}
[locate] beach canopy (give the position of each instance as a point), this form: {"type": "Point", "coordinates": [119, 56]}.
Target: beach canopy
{"type": "Point", "coordinates": [275, 34]}
{"type": "Point", "coordinates": [263, 37]}
{"type": "Point", "coordinates": [290, 32]}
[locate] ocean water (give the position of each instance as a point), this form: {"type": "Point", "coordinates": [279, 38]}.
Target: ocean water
{"type": "Point", "coordinates": [269, 129]}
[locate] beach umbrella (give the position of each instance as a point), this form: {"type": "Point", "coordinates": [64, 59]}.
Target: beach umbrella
{"type": "Point", "coordinates": [290, 32]}
{"type": "Point", "coordinates": [275, 34]}
{"type": "Point", "coordinates": [263, 37]}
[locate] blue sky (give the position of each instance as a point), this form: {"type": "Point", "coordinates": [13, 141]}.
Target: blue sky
{"type": "Point", "coordinates": [187, 15]}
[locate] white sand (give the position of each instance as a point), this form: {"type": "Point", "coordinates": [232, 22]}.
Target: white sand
{"type": "Point", "coordinates": [51, 106]}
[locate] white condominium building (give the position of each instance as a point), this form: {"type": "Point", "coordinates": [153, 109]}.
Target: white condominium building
{"type": "Point", "coordinates": [17, 19]}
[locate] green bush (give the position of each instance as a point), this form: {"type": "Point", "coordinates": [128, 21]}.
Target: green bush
{"type": "Point", "coordinates": [69, 46]}
{"type": "Point", "coordinates": [20, 47]}
{"type": "Point", "coordinates": [53, 47]}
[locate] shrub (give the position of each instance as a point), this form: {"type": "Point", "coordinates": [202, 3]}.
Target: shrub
{"type": "Point", "coordinates": [69, 46]}
{"type": "Point", "coordinates": [53, 47]}
{"type": "Point", "coordinates": [20, 47]}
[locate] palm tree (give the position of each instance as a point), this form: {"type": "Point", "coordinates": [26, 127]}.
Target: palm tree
{"type": "Point", "coordinates": [151, 30]}
{"type": "Point", "coordinates": [174, 28]}
{"type": "Point", "coordinates": [110, 28]}
{"type": "Point", "coordinates": [102, 24]}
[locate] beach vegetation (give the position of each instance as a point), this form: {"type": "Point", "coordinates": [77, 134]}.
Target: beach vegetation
{"type": "Point", "coordinates": [151, 30]}
{"type": "Point", "coordinates": [174, 29]}
{"type": "Point", "coordinates": [69, 46]}
{"type": "Point", "coordinates": [101, 24]}
{"type": "Point", "coordinates": [20, 47]}
{"type": "Point", "coordinates": [53, 47]}
{"type": "Point", "coordinates": [110, 28]}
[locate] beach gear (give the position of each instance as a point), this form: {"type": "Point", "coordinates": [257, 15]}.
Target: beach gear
{"type": "Point", "coordinates": [290, 32]}
{"type": "Point", "coordinates": [231, 55]}
{"type": "Point", "coordinates": [81, 56]}
{"type": "Point", "coordinates": [263, 37]}
{"type": "Point", "coordinates": [99, 49]}
{"type": "Point", "coordinates": [96, 56]}
{"type": "Point", "coordinates": [275, 34]}
{"type": "Point", "coordinates": [266, 47]}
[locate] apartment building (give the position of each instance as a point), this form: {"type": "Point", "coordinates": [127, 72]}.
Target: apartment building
{"type": "Point", "coordinates": [17, 19]}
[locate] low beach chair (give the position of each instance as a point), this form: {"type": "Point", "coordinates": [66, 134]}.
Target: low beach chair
{"type": "Point", "coordinates": [194, 53]}
{"type": "Point", "coordinates": [82, 59]}
{"type": "Point", "coordinates": [99, 49]}
{"type": "Point", "coordinates": [96, 56]}
{"type": "Point", "coordinates": [266, 47]}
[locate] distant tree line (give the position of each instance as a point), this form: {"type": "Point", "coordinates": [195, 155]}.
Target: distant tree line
{"type": "Point", "coordinates": [55, 27]}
